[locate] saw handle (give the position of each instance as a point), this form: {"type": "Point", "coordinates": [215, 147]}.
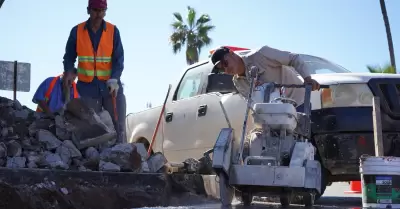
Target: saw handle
{"type": "Point", "coordinates": [298, 86]}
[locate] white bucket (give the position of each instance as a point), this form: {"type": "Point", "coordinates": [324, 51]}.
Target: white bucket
{"type": "Point", "coordinates": [380, 181]}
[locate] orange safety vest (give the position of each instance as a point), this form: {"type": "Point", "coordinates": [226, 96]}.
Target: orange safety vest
{"type": "Point", "coordinates": [50, 89]}
{"type": "Point", "coordinates": [94, 63]}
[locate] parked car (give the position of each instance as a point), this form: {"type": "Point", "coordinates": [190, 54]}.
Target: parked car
{"type": "Point", "coordinates": [341, 117]}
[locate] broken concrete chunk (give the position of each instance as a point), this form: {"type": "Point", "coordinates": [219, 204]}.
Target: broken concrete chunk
{"type": "Point", "coordinates": [156, 162]}
{"type": "Point", "coordinates": [64, 154]}
{"type": "Point", "coordinates": [14, 149]}
{"type": "Point", "coordinates": [105, 119]}
{"type": "Point", "coordinates": [33, 157]}
{"type": "Point", "coordinates": [16, 162]}
{"type": "Point", "coordinates": [67, 150]}
{"type": "Point", "coordinates": [72, 149]}
{"type": "Point", "coordinates": [141, 149]}
{"type": "Point", "coordinates": [16, 105]}
{"type": "Point", "coordinates": [22, 114]}
{"type": "Point", "coordinates": [4, 132]}
{"type": "Point", "coordinates": [107, 166]}
{"type": "Point", "coordinates": [42, 123]}
{"type": "Point", "coordinates": [77, 139]}
{"type": "Point", "coordinates": [105, 153]}
{"type": "Point", "coordinates": [83, 168]}
{"type": "Point", "coordinates": [126, 156]}
{"type": "Point", "coordinates": [55, 161]}
{"type": "Point", "coordinates": [92, 154]}
{"type": "Point", "coordinates": [61, 128]}
{"type": "Point", "coordinates": [48, 139]}
{"type": "Point", "coordinates": [145, 167]}
{"type": "Point", "coordinates": [3, 150]}
{"type": "Point", "coordinates": [92, 142]}
{"type": "Point", "coordinates": [31, 165]}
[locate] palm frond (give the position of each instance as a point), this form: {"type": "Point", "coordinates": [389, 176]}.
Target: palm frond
{"type": "Point", "coordinates": [178, 16]}
{"type": "Point", "coordinates": [203, 19]}
{"type": "Point", "coordinates": [191, 17]}
{"type": "Point", "coordinates": [387, 68]}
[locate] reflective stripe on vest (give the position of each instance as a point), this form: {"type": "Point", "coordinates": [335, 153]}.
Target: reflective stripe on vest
{"type": "Point", "coordinates": [50, 89]}
{"type": "Point", "coordinates": [94, 63]}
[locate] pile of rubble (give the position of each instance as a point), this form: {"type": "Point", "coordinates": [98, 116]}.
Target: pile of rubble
{"type": "Point", "coordinates": [74, 139]}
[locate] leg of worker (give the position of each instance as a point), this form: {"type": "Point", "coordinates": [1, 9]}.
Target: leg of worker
{"type": "Point", "coordinates": [121, 111]}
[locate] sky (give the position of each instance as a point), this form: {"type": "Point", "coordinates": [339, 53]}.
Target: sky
{"type": "Point", "coordinates": [349, 33]}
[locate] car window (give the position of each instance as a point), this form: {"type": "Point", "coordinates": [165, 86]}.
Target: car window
{"type": "Point", "coordinates": [318, 65]}
{"type": "Point", "coordinates": [192, 82]}
{"type": "Point", "coordinates": [323, 71]}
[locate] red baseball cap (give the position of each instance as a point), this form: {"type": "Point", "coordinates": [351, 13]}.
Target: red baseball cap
{"type": "Point", "coordinates": [98, 4]}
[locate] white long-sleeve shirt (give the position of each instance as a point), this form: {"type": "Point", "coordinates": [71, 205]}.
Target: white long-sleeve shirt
{"type": "Point", "coordinates": [274, 66]}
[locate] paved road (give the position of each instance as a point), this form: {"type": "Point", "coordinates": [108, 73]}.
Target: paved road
{"type": "Point", "coordinates": [334, 197]}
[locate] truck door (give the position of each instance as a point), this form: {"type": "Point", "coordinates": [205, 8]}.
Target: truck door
{"type": "Point", "coordinates": [180, 116]}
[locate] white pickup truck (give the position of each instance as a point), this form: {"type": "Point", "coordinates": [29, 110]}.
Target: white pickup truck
{"type": "Point", "coordinates": [341, 115]}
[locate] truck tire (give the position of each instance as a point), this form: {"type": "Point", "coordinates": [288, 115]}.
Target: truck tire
{"type": "Point", "coordinates": [286, 198]}
{"type": "Point", "coordinates": [246, 198]}
{"type": "Point", "coordinates": [324, 178]}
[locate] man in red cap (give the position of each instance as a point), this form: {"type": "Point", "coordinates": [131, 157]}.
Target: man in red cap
{"type": "Point", "coordinates": [97, 45]}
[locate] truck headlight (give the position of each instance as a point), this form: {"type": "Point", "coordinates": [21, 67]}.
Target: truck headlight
{"type": "Point", "coordinates": [346, 95]}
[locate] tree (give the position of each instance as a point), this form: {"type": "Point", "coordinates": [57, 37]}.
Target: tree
{"type": "Point", "coordinates": [388, 34]}
{"type": "Point", "coordinates": [193, 33]}
{"type": "Point", "coordinates": [388, 68]}
{"type": "Point", "coordinates": [1, 3]}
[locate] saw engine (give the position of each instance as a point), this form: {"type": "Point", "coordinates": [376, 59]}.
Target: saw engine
{"type": "Point", "coordinates": [275, 157]}
{"type": "Point", "coordinates": [276, 132]}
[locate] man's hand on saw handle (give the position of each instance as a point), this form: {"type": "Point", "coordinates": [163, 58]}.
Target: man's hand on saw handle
{"type": "Point", "coordinates": [254, 71]}
{"type": "Point", "coordinates": [314, 83]}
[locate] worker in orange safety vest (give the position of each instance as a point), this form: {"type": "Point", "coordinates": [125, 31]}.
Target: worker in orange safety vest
{"type": "Point", "coordinates": [97, 45]}
{"type": "Point", "coordinates": [51, 93]}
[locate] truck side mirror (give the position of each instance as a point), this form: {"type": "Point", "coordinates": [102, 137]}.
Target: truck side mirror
{"type": "Point", "coordinates": [221, 83]}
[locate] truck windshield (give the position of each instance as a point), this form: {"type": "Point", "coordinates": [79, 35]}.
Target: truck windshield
{"type": "Point", "coordinates": [319, 65]}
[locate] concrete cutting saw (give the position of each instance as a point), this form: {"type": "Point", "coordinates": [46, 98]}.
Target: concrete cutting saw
{"type": "Point", "coordinates": [275, 158]}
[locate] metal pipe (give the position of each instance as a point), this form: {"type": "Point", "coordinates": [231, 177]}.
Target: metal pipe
{"type": "Point", "coordinates": [253, 76]}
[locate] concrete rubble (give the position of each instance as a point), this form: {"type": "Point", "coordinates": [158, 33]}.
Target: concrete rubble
{"type": "Point", "coordinates": [72, 160]}
{"type": "Point", "coordinates": [77, 138]}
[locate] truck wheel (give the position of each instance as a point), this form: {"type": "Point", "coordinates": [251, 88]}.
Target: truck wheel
{"type": "Point", "coordinates": [247, 198]}
{"type": "Point", "coordinates": [226, 191]}
{"type": "Point", "coordinates": [286, 199]}
{"type": "Point", "coordinates": [324, 182]}
{"type": "Point", "coordinates": [324, 177]}
{"type": "Point", "coordinates": [309, 200]}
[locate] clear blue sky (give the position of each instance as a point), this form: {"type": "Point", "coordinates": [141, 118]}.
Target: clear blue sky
{"type": "Point", "coordinates": [350, 33]}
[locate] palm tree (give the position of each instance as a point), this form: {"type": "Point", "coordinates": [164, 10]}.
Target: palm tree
{"type": "Point", "coordinates": [193, 33]}
{"type": "Point", "coordinates": [385, 69]}
{"type": "Point", "coordinates": [388, 34]}
{"type": "Point", "coordinates": [1, 3]}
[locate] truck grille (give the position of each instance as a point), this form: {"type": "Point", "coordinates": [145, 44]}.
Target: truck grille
{"type": "Point", "coordinates": [388, 90]}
